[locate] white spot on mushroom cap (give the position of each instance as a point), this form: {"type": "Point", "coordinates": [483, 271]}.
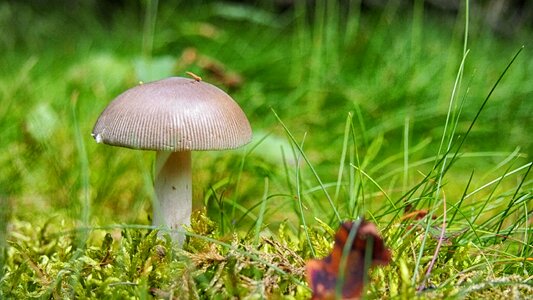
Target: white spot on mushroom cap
{"type": "Point", "coordinates": [98, 138]}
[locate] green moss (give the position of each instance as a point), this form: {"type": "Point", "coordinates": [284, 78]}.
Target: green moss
{"type": "Point", "coordinates": [48, 262]}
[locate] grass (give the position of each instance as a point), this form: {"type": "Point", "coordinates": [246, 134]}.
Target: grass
{"type": "Point", "coordinates": [356, 113]}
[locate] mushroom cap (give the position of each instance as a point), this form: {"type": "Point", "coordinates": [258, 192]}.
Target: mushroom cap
{"type": "Point", "coordinates": [173, 114]}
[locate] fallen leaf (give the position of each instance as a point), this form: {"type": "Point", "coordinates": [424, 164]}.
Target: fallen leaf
{"type": "Point", "coordinates": [323, 275]}
{"type": "Point", "coordinates": [211, 66]}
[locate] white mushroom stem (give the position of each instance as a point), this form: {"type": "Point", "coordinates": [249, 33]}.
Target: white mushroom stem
{"type": "Point", "coordinates": [173, 188]}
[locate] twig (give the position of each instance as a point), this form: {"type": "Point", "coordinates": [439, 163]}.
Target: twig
{"type": "Point", "coordinates": [439, 244]}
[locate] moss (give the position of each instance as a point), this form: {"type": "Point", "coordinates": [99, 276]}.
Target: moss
{"type": "Point", "coordinates": [49, 262]}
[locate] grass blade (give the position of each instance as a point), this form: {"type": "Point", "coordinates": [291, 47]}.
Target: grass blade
{"type": "Point", "coordinates": [315, 173]}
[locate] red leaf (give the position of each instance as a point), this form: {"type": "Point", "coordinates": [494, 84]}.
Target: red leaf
{"type": "Point", "coordinates": [322, 274]}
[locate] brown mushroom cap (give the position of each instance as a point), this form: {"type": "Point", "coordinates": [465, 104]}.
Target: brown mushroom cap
{"type": "Point", "coordinates": [173, 114]}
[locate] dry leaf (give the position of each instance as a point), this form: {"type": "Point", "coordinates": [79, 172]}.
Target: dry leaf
{"type": "Point", "coordinates": [210, 66]}
{"type": "Point", "coordinates": [322, 275]}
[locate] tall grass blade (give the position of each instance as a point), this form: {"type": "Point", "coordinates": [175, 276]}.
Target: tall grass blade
{"type": "Point", "coordinates": [236, 197]}
{"type": "Point", "coordinates": [511, 204]}
{"type": "Point", "coordinates": [262, 210]}
{"type": "Point", "coordinates": [461, 142]}
{"type": "Point", "coordinates": [393, 205]}
{"type": "Point", "coordinates": [300, 203]}
{"type": "Point", "coordinates": [489, 197]}
{"type": "Point", "coordinates": [308, 162]}
{"type": "Point", "coordinates": [356, 178]}
{"type": "Point", "coordinates": [83, 163]}
{"type": "Point", "coordinates": [405, 154]}
{"type": "Point", "coordinates": [4, 218]}
{"type": "Point", "coordinates": [498, 179]}
{"type": "Point", "coordinates": [458, 206]}
{"type": "Point", "coordinates": [343, 157]}
{"type": "Point", "coordinates": [443, 160]}
{"type": "Point", "coordinates": [150, 18]}
{"type": "Point", "coordinates": [456, 152]}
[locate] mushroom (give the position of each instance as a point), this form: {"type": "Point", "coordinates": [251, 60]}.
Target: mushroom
{"type": "Point", "coordinates": [173, 116]}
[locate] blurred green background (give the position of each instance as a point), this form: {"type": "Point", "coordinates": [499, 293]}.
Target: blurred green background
{"type": "Point", "coordinates": [391, 64]}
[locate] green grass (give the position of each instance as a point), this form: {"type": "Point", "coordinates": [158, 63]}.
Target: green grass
{"type": "Point", "coordinates": [356, 113]}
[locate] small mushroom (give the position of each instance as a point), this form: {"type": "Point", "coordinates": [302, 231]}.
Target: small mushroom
{"type": "Point", "coordinates": [173, 116]}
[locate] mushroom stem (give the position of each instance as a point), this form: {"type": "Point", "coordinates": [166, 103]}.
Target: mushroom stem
{"type": "Point", "coordinates": [173, 188]}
